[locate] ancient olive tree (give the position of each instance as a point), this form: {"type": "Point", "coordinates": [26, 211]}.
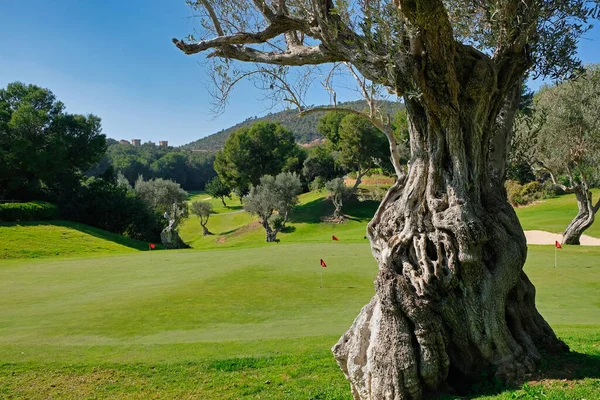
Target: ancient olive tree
{"type": "Point", "coordinates": [202, 209]}
{"type": "Point", "coordinates": [452, 302]}
{"type": "Point", "coordinates": [167, 199]}
{"type": "Point", "coordinates": [568, 142]}
{"type": "Point", "coordinates": [273, 201]}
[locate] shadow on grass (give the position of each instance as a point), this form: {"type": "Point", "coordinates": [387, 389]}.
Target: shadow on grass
{"type": "Point", "coordinates": [89, 230]}
{"type": "Point", "coordinates": [562, 367]}
{"type": "Point", "coordinates": [353, 209]}
{"type": "Point", "coordinates": [233, 208]}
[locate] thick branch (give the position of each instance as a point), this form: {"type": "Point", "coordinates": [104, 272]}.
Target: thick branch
{"type": "Point", "coordinates": [279, 26]}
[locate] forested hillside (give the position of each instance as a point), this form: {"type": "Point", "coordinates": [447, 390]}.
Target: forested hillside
{"type": "Point", "coordinates": [304, 128]}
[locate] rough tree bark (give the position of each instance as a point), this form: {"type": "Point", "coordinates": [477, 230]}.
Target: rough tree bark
{"type": "Point", "coordinates": [452, 301]}
{"type": "Point", "coordinates": [585, 215]}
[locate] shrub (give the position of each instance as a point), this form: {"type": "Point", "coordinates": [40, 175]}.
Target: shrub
{"type": "Point", "coordinates": [317, 184]}
{"type": "Point", "coordinates": [110, 206]}
{"type": "Point", "coordinates": [520, 195]}
{"type": "Point", "coordinates": [31, 211]}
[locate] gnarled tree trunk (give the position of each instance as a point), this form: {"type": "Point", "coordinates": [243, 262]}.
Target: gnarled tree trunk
{"type": "Point", "coordinates": [452, 301]}
{"type": "Point", "coordinates": [585, 215]}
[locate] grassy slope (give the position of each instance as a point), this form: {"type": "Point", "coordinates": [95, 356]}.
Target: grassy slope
{"type": "Point", "coordinates": [239, 229]}
{"type": "Point", "coordinates": [60, 238]}
{"type": "Point", "coordinates": [553, 215]}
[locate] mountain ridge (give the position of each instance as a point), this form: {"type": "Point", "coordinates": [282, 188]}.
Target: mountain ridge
{"type": "Point", "coordinates": [304, 128]}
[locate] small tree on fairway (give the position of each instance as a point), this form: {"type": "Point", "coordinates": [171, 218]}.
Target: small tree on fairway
{"type": "Point", "coordinates": [273, 201]}
{"type": "Point", "coordinates": [203, 210]}
{"type": "Point", "coordinates": [337, 191]}
{"type": "Point", "coordinates": [217, 189]}
{"type": "Point", "coordinates": [567, 133]}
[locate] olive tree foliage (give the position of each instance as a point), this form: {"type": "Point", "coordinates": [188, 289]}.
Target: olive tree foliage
{"type": "Point", "coordinates": [167, 199]}
{"type": "Point", "coordinates": [202, 210]}
{"type": "Point", "coordinates": [160, 194]}
{"type": "Point", "coordinates": [564, 131]}
{"type": "Point", "coordinates": [273, 200]}
{"type": "Point", "coordinates": [337, 192]}
{"type": "Point", "coordinates": [451, 298]}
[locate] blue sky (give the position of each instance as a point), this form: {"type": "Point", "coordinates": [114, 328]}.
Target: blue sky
{"type": "Point", "coordinates": [115, 59]}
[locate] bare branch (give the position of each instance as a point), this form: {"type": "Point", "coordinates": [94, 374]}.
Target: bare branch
{"type": "Point", "coordinates": [213, 17]}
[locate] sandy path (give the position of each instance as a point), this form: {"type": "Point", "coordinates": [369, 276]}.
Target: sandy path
{"type": "Point", "coordinates": [543, 237]}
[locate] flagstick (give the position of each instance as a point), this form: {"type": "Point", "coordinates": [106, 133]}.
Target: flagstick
{"type": "Point", "coordinates": [321, 277]}
{"type": "Point", "coordinates": [555, 256]}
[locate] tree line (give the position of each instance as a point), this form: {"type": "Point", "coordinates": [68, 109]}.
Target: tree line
{"type": "Point", "coordinates": [190, 169]}
{"type": "Point", "coordinates": [49, 154]}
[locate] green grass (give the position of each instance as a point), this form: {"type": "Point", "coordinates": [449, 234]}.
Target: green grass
{"type": "Point", "coordinates": [220, 323]}
{"type": "Point", "coordinates": [553, 215]}
{"type": "Point", "coordinates": [240, 229]}
{"type": "Point", "coordinates": [240, 318]}
{"type": "Point", "coordinates": [60, 238]}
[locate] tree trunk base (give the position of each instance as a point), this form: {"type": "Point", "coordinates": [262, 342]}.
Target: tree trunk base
{"type": "Point", "coordinates": [398, 349]}
{"type": "Point", "coordinates": [171, 240]}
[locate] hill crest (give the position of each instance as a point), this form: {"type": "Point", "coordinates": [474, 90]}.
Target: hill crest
{"type": "Point", "coordinates": [304, 128]}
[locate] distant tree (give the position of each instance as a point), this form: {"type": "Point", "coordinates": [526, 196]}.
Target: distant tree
{"type": "Point", "coordinates": [362, 147]}
{"type": "Point", "coordinates": [264, 148]}
{"type": "Point", "coordinates": [202, 210]}
{"type": "Point", "coordinates": [320, 163]}
{"type": "Point", "coordinates": [122, 181]}
{"type": "Point", "coordinates": [337, 192]}
{"type": "Point", "coordinates": [402, 135]}
{"type": "Point", "coordinates": [568, 142]}
{"type": "Point", "coordinates": [109, 205]}
{"type": "Point", "coordinates": [272, 200]}
{"type": "Point", "coordinates": [172, 166]}
{"type": "Point", "coordinates": [43, 148]}
{"type": "Point", "coordinates": [217, 189]}
{"type": "Point", "coordinates": [329, 126]}
{"type": "Point", "coordinates": [359, 145]}
{"type": "Point", "coordinates": [160, 194]}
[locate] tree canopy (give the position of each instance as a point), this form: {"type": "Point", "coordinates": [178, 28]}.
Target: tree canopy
{"type": "Point", "coordinates": [561, 135]}
{"type": "Point", "coordinates": [272, 200]}
{"type": "Point", "coordinates": [42, 147]}
{"type": "Point", "coordinates": [264, 148]}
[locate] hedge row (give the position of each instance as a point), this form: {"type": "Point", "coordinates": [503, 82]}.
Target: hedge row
{"type": "Point", "coordinates": [32, 211]}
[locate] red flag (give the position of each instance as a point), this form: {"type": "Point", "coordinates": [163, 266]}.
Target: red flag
{"type": "Point", "coordinates": [558, 246]}
{"type": "Point", "coordinates": [334, 238]}
{"type": "Point", "coordinates": [323, 264]}
{"type": "Point", "coordinates": [152, 246]}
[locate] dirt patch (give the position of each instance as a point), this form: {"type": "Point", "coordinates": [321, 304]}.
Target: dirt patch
{"type": "Point", "coordinates": [371, 181]}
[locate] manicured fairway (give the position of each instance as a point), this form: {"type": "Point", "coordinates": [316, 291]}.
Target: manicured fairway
{"type": "Point", "coordinates": [220, 324]}
{"type": "Point", "coordinates": [236, 317]}
{"type": "Point", "coordinates": [553, 215]}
